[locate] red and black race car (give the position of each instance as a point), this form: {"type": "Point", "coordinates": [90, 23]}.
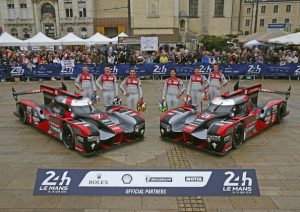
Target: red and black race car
{"type": "Point", "coordinates": [77, 123]}
{"type": "Point", "coordinates": [226, 123]}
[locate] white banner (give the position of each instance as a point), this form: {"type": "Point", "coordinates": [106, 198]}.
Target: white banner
{"type": "Point", "coordinates": [67, 64]}
{"type": "Point", "coordinates": [149, 43]}
{"type": "Point", "coordinates": [145, 179]}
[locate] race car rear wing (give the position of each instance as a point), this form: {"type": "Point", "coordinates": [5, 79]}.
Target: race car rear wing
{"type": "Point", "coordinates": [43, 88]}
{"type": "Point", "coordinates": [255, 89]}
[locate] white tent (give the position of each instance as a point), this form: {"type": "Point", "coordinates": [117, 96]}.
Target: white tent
{"type": "Point", "coordinates": [71, 39]}
{"type": "Point", "coordinates": [42, 40]}
{"type": "Point", "coordinates": [98, 39]}
{"type": "Point", "coordinates": [7, 40]}
{"type": "Point", "coordinates": [115, 39]}
{"type": "Point", "coordinates": [254, 43]}
{"type": "Point", "coordinates": [291, 39]}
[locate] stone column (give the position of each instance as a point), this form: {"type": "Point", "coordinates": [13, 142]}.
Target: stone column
{"type": "Point", "coordinates": [36, 18]}
{"type": "Point", "coordinates": [57, 17]}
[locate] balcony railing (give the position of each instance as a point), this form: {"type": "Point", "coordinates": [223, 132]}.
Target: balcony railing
{"type": "Point", "coordinates": [18, 20]}
{"type": "Point", "coordinates": [76, 20]}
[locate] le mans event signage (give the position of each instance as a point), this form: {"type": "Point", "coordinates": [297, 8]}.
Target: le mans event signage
{"type": "Point", "coordinates": [221, 182]}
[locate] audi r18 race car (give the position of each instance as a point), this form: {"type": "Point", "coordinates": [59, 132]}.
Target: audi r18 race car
{"type": "Point", "coordinates": [227, 122]}
{"type": "Point", "coordinates": [77, 122]}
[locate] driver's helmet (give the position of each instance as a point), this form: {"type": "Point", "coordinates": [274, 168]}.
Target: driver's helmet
{"type": "Point", "coordinates": [187, 100]}
{"type": "Point", "coordinates": [117, 101]}
{"type": "Point", "coordinates": [162, 106]}
{"type": "Point", "coordinates": [141, 106]}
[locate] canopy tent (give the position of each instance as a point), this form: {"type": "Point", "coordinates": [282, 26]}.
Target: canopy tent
{"type": "Point", "coordinates": [8, 40]}
{"type": "Point", "coordinates": [291, 39]}
{"type": "Point", "coordinates": [115, 39]}
{"type": "Point", "coordinates": [42, 40]}
{"type": "Point", "coordinates": [71, 39]}
{"type": "Point", "coordinates": [98, 39]}
{"type": "Point", "coordinates": [262, 36]}
{"type": "Point", "coordinates": [254, 43]}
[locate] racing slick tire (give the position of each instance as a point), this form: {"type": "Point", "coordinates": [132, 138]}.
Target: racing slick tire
{"type": "Point", "coordinates": [280, 113]}
{"type": "Point", "coordinates": [22, 114]}
{"type": "Point", "coordinates": [238, 136]}
{"type": "Point", "coordinates": [68, 137]}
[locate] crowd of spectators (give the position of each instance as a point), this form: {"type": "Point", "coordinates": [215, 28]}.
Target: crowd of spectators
{"type": "Point", "coordinates": [118, 54]}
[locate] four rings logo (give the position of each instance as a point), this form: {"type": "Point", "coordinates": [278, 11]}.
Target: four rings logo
{"type": "Point", "coordinates": [55, 183]}
{"type": "Point", "coordinates": [237, 184]}
{"type": "Point", "coordinates": [150, 179]}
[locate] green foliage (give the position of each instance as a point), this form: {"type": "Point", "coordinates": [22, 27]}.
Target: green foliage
{"type": "Point", "coordinates": [211, 42]}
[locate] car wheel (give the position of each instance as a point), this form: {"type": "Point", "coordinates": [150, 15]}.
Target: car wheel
{"type": "Point", "coordinates": [280, 113]}
{"type": "Point", "coordinates": [238, 136]}
{"type": "Point", "coordinates": [68, 137]}
{"type": "Point", "coordinates": [22, 114]}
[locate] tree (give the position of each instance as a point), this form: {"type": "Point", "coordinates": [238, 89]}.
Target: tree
{"type": "Point", "coordinates": [211, 42]}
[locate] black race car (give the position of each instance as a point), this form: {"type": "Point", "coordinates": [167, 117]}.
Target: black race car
{"type": "Point", "coordinates": [77, 123]}
{"type": "Point", "coordinates": [226, 123]}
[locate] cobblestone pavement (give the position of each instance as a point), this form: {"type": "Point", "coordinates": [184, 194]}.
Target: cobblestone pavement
{"type": "Point", "coordinates": [275, 154]}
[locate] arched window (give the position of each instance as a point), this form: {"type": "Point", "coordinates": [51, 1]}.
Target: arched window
{"type": "Point", "coordinates": [182, 24]}
{"type": "Point", "coordinates": [14, 32]}
{"type": "Point", "coordinates": [70, 29]}
{"type": "Point", "coordinates": [83, 32]}
{"type": "Point", "coordinates": [26, 33]}
{"type": "Point", "coordinates": [48, 9]}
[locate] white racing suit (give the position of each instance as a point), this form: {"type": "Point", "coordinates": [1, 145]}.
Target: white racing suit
{"type": "Point", "coordinates": [216, 80]}
{"type": "Point", "coordinates": [195, 90]}
{"type": "Point", "coordinates": [108, 82]}
{"type": "Point", "coordinates": [172, 88]}
{"type": "Point", "coordinates": [87, 83]}
{"type": "Point", "coordinates": [133, 87]}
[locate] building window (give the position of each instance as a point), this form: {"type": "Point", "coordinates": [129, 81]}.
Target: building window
{"type": "Point", "coordinates": [262, 22]}
{"type": "Point", "coordinates": [275, 9]}
{"type": "Point", "coordinates": [83, 32]}
{"type": "Point", "coordinates": [70, 29]}
{"type": "Point", "coordinates": [248, 10]}
{"type": "Point", "coordinates": [14, 32]}
{"type": "Point", "coordinates": [69, 13]}
{"type": "Point", "coordinates": [193, 7]}
{"type": "Point", "coordinates": [287, 20]}
{"type": "Point", "coordinates": [288, 8]}
{"type": "Point", "coordinates": [182, 24]}
{"type": "Point", "coordinates": [68, 1]}
{"type": "Point", "coordinates": [11, 11]}
{"type": "Point", "coordinates": [23, 5]}
{"type": "Point", "coordinates": [274, 21]}
{"type": "Point", "coordinates": [263, 9]}
{"type": "Point", "coordinates": [48, 9]}
{"type": "Point", "coordinates": [82, 12]}
{"type": "Point", "coordinates": [11, 6]}
{"type": "Point", "coordinates": [81, 1]}
{"type": "Point", "coordinates": [26, 33]}
{"type": "Point", "coordinates": [247, 23]}
{"type": "Point", "coordinates": [246, 32]}
{"type": "Point", "coordinates": [219, 8]}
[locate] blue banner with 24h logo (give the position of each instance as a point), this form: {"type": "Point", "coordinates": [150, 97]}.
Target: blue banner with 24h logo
{"type": "Point", "coordinates": [58, 70]}
{"type": "Point", "coordinates": [217, 182]}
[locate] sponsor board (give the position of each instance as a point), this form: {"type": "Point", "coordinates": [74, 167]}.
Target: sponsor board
{"type": "Point", "coordinates": [220, 182]}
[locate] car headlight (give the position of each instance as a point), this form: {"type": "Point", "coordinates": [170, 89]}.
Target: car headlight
{"type": "Point", "coordinates": [80, 139]}
{"type": "Point", "coordinates": [168, 128]}
{"type": "Point", "coordinates": [93, 138]}
{"type": "Point", "coordinates": [213, 138]}
{"type": "Point", "coordinates": [137, 128]}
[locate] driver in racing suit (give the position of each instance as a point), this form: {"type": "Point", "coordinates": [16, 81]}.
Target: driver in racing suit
{"type": "Point", "coordinates": [173, 90]}
{"type": "Point", "coordinates": [216, 81]}
{"type": "Point", "coordinates": [132, 88]}
{"type": "Point", "coordinates": [195, 88]}
{"type": "Point", "coordinates": [85, 83]}
{"type": "Point", "coordinates": [107, 83]}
